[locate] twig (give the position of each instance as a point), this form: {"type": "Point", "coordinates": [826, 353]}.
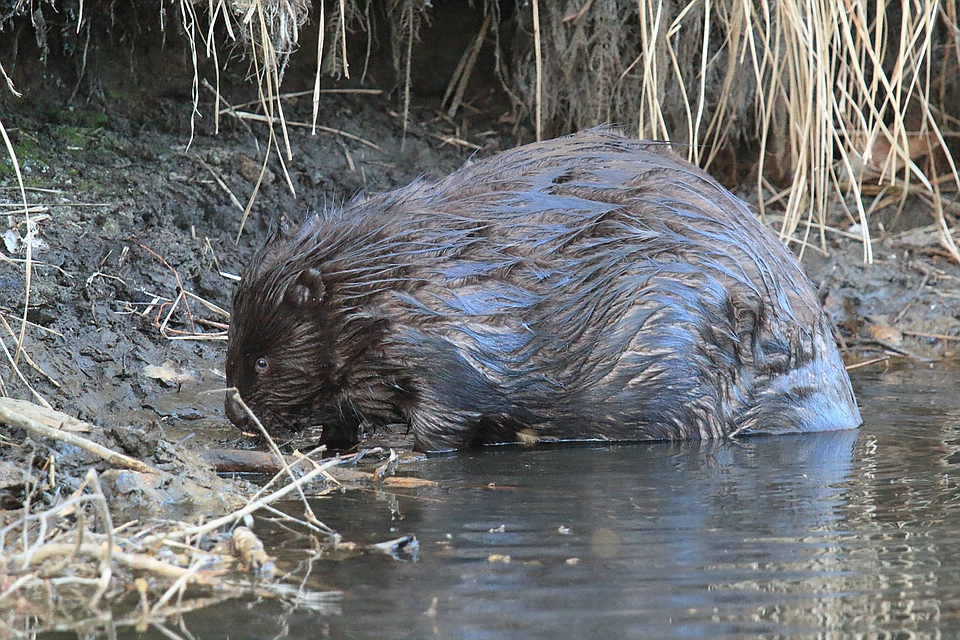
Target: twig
{"type": "Point", "coordinates": [252, 507]}
{"type": "Point", "coordinates": [806, 245]}
{"type": "Point", "coordinates": [181, 293]}
{"type": "Point", "coordinates": [315, 94]}
{"type": "Point", "coordinates": [219, 180]}
{"type": "Point", "coordinates": [286, 470]}
{"type": "Point", "coordinates": [309, 92]}
{"type": "Point", "coordinates": [208, 304]}
{"type": "Point", "coordinates": [17, 419]}
{"type": "Point", "coordinates": [346, 154]}
{"type": "Point", "coordinates": [179, 585]}
{"type": "Point", "coordinates": [16, 369]}
{"type": "Point", "coordinates": [936, 336]}
{"type": "Point", "coordinates": [36, 189]}
{"type": "Point", "coordinates": [406, 83]}
{"type": "Point", "coordinates": [36, 208]}
{"type": "Point", "coordinates": [193, 334]}
{"type": "Point", "coordinates": [343, 39]}
{"type": "Point", "coordinates": [467, 69]}
{"type": "Point", "coordinates": [28, 263]}
{"type": "Point", "coordinates": [106, 560]}
{"type": "Point", "coordinates": [866, 363]}
{"type": "Point", "coordinates": [50, 379]}
{"type": "Point", "coordinates": [889, 346]}
{"type": "Point", "coordinates": [40, 208]}
{"type": "Point", "coordinates": [262, 118]}
{"type": "Point", "coordinates": [539, 56]}
{"type": "Point", "coordinates": [132, 560]}
{"type": "Point", "coordinates": [453, 140]}
{"type": "Point", "coordinates": [10, 86]}
{"type": "Point", "coordinates": [176, 334]}
{"type": "Point", "coordinates": [219, 99]}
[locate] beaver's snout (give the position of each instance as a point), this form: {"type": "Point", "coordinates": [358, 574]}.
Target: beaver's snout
{"type": "Point", "coordinates": [235, 412]}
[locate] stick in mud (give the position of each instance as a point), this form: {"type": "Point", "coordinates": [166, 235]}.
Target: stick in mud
{"type": "Point", "coordinates": [15, 418]}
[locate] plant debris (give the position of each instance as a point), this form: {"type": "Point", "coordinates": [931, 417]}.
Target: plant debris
{"type": "Point", "coordinates": [65, 557]}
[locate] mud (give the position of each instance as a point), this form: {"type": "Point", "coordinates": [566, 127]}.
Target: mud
{"type": "Point", "coordinates": [905, 304]}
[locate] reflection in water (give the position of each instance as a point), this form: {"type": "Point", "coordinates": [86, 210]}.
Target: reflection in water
{"type": "Point", "coordinates": [659, 535]}
{"type": "Point", "coordinates": [845, 534]}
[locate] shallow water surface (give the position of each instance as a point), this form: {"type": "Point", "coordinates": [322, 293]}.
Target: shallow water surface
{"type": "Point", "coordinates": [845, 534]}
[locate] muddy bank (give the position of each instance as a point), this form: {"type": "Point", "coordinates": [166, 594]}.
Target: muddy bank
{"type": "Point", "coordinates": [905, 304]}
{"type": "Point", "coordinates": [125, 216]}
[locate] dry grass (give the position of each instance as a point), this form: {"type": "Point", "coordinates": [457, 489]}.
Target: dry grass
{"type": "Point", "coordinates": [840, 97]}
{"type": "Point", "coordinates": [66, 563]}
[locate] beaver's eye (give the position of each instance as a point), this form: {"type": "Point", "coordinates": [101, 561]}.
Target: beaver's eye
{"type": "Point", "coordinates": [261, 365]}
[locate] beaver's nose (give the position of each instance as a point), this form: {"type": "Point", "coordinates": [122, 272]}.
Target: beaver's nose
{"type": "Point", "coordinates": [235, 412]}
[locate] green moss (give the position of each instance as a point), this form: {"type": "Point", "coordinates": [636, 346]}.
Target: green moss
{"type": "Point", "coordinates": [100, 119]}
{"type": "Point", "coordinates": [29, 153]}
{"type": "Point", "coordinates": [89, 187]}
{"type": "Point", "coordinates": [27, 148]}
{"type": "Point", "coordinates": [75, 137]}
{"type": "Point", "coordinates": [113, 140]}
{"type": "Point", "coordinates": [84, 119]}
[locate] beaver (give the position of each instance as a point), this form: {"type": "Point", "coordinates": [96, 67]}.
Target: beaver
{"type": "Point", "coordinates": [591, 287]}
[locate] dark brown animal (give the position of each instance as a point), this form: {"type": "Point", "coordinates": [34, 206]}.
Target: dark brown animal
{"type": "Point", "coordinates": [591, 287]}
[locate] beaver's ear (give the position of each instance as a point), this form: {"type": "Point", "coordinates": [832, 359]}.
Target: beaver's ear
{"type": "Point", "coordinates": [274, 251]}
{"type": "Point", "coordinates": [306, 291]}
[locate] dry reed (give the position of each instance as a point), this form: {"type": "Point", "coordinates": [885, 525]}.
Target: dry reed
{"type": "Point", "coordinates": [66, 563]}
{"type": "Point", "coordinates": [837, 98]}
{"type": "Point", "coordinates": [836, 95]}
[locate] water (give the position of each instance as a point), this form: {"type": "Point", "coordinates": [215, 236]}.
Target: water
{"type": "Point", "coordinates": [836, 535]}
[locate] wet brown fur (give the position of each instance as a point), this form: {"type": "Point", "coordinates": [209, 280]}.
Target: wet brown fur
{"type": "Point", "coordinates": [589, 287]}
